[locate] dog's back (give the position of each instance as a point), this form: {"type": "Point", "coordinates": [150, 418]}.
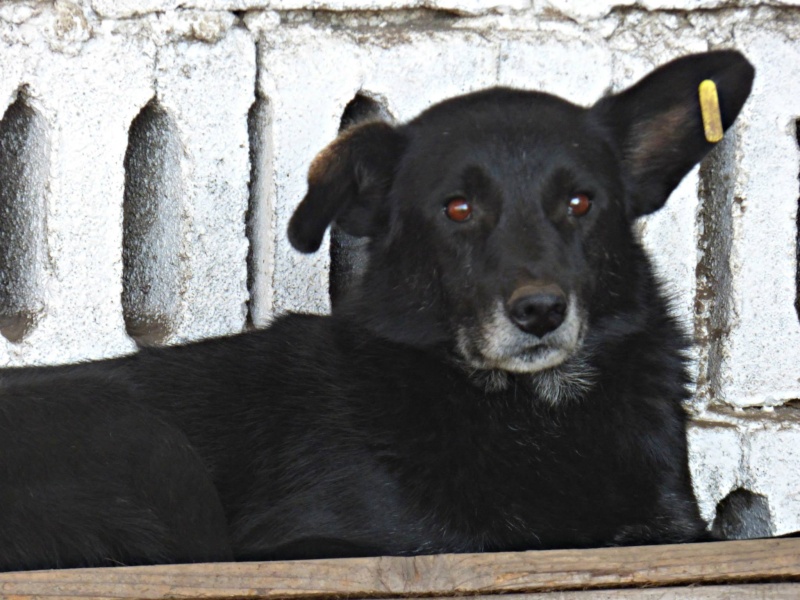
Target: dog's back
{"type": "Point", "coordinates": [88, 477]}
{"type": "Point", "coordinates": [505, 375]}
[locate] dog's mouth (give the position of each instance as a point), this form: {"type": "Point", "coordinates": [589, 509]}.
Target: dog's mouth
{"type": "Point", "coordinates": [496, 343]}
{"type": "Point", "coordinates": [535, 353]}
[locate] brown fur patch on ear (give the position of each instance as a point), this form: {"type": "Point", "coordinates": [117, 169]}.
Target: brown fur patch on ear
{"type": "Point", "coordinates": [321, 165]}
{"type": "Point", "coordinates": [325, 162]}
{"type": "Point", "coordinates": [345, 180]}
{"type": "Point", "coordinates": [660, 138]}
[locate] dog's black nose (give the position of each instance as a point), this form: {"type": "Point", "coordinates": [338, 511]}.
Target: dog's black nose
{"type": "Point", "coordinates": [538, 309]}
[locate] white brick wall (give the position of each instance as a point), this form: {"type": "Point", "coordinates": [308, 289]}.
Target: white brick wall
{"type": "Point", "coordinates": [188, 91]}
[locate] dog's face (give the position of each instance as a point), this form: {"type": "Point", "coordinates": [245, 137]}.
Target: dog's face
{"type": "Point", "coordinates": [500, 221]}
{"type": "Point", "coordinates": [498, 218]}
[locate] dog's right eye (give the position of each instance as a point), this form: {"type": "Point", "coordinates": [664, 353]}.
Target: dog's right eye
{"type": "Point", "coordinates": [579, 205]}
{"type": "Point", "coordinates": [458, 210]}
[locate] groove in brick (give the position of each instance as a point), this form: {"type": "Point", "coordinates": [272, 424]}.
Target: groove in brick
{"type": "Point", "coordinates": [24, 168]}
{"type": "Point", "coordinates": [713, 272]}
{"type": "Point", "coordinates": [259, 217]}
{"type": "Point", "coordinates": [348, 253]}
{"type": "Point", "coordinates": [152, 227]}
{"type": "Point", "coordinates": [742, 515]}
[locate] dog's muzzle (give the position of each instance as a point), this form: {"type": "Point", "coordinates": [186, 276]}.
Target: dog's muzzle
{"type": "Point", "coordinates": [539, 327]}
{"type": "Point", "coordinates": [537, 308]}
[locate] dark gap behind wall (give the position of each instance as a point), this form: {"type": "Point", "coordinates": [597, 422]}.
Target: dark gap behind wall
{"type": "Point", "coordinates": [797, 235]}
{"type": "Point", "coordinates": [349, 253]}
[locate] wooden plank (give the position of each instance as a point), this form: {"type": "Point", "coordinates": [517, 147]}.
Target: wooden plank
{"type": "Point", "coordinates": [773, 560]}
{"type": "Point", "coordinates": [775, 591]}
{"type": "Point", "coordinates": [760, 591]}
{"type": "Point", "coordinates": [750, 591]}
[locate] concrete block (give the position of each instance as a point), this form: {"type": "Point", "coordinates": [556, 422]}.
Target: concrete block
{"type": "Point", "coordinates": [584, 12]}
{"type": "Point", "coordinates": [188, 166]}
{"type": "Point", "coordinates": [70, 117]}
{"type": "Point", "coordinates": [123, 9]}
{"type": "Point", "coordinates": [18, 12]}
{"type": "Point", "coordinates": [755, 451]}
{"type": "Point", "coordinates": [758, 363]}
{"type": "Point", "coordinates": [716, 461]}
{"type": "Point", "coordinates": [82, 104]}
{"type": "Point", "coordinates": [745, 358]}
{"type": "Point", "coordinates": [207, 5]}
{"type": "Point", "coordinates": [566, 61]}
{"type": "Point", "coordinates": [688, 5]}
{"type": "Point", "coordinates": [172, 27]}
{"type": "Point", "coordinates": [480, 7]}
{"type": "Point", "coordinates": [642, 41]}
{"type": "Point", "coordinates": [463, 7]}
{"type": "Point", "coordinates": [214, 168]}
{"type": "Point", "coordinates": [309, 76]}
{"type": "Point", "coordinates": [774, 468]}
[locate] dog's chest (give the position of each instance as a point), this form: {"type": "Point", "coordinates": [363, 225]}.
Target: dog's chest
{"type": "Point", "coordinates": [504, 478]}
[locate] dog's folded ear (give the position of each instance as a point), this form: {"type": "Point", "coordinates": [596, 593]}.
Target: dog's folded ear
{"type": "Point", "coordinates": [347, 183]}
{"type": "Point", "coordinates": [658, 127]}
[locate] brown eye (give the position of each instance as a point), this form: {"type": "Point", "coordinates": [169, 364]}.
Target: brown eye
{"type": "Point", "coordinates": [458, 209]}
{"type": "Point", "coordinates": [579, 205]}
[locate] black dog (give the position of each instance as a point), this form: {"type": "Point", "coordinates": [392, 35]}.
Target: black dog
{"type": "Point", "coordinates": [506, 374]}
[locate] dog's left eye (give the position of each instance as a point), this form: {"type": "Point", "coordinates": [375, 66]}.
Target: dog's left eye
{"type": "Point", "coordinates": [579, 205]}
{"type": "Point", "coordinates": [458, 209]}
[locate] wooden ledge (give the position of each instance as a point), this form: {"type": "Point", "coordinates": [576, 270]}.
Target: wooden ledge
{"type": "Point", "coordinates": [723, 563]}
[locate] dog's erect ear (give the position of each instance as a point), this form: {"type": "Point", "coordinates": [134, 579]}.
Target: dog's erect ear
{"type": "Point", "coordinates": [347, 183]}
{"type": "Point", "coordinates": [658, 127]}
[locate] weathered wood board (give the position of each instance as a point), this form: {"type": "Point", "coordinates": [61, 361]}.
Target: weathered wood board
{"type": "Point", "coordinates": [774, 561]}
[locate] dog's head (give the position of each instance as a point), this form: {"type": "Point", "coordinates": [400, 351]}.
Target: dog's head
{"type": "Point", "coordinates": [500, 221]}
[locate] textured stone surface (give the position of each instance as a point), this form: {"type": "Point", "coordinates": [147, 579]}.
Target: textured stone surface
{"type": "Point", "coordinates": [86, 104]}
{"type": "Point", "coordinates": [563, 60]}
{"type": "Point", "coordinates": [24, 170]}
{"type": "Point", "coordinates": [762, 347]}
{"type": "Point", "coordinates": [755, 451]}
{"type": "Point", "coordinates": [132, 8]}
{"type": "Point", "coordinates": [208, 89]}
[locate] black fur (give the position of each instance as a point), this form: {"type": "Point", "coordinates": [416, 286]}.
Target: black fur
{"type": "Point", "coordinates": [88, 477]}
{"type": "Point", "coordinates": [417, 418]}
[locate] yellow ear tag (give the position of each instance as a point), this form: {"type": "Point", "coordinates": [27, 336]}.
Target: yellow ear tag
{"type": "Point", "coordinates": [709, 107]}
